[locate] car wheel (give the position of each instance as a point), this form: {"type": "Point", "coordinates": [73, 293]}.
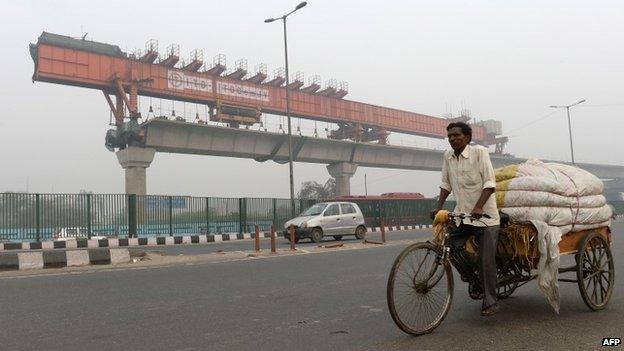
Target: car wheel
{"type": "Point", "coordinates": [317, 235]}
{"type": "Point", "coordinates": [360, 232]}
{"type": "Point", "coordinates": [337, 237]}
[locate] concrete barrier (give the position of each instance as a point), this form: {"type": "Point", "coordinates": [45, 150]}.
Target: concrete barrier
{"type": "Point", "coordinates": [159, 241]}
{"type": "Point", "coordinates": [64, 258]}
{"type": "Point", "coordinates": [76, 258]}
{"type": "Point", "coordinates": [119, 256]}
{"type": "Point", "coordinates": [30, 260]}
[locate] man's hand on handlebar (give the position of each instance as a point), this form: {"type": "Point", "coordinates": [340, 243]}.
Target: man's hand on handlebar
{"type": "Point", "coordinates": [433, 213]}
{"type": "Point", "coordinates": [477, 213]}
{"type": "Point", "coordinates": [466, 215]}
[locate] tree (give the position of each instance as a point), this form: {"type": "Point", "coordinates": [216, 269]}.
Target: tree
{"type": "Point", "coordinates": [313, 190]}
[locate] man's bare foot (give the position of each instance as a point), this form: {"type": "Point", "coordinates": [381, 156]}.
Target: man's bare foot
{"type": "Point", "coordinates": [489, 311]}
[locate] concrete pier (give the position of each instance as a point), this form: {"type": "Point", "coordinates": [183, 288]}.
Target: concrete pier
{"type": "Point", "coordinates": [134, 161]}
{"type": "Point", "coordinates": [342, 173]}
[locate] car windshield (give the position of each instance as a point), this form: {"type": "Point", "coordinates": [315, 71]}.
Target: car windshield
{"type": "Point", "coordinates": [314, 210]}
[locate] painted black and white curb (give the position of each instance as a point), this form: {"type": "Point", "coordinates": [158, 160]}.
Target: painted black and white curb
{"type": "Point", "coordinates": [157, 241]}
{"type": "Point", "coordinates": [58, 259]}
{"type": "Point", "coordinates": [401, 227]}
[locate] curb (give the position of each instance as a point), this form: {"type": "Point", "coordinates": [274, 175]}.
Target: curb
{"type": "Point", "coordinates": [158, 241]}
{"type": "Point", "coordinates": [401, 227]}
{"type": "Point", "coordinates": [57, 259]}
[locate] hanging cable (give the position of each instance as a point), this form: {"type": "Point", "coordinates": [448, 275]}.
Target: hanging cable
{"type": "Point", "coordinates": [533, 121]}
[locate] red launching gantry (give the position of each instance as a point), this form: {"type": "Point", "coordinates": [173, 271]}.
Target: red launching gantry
{"type": "Point", "coordinates": [234, 96]}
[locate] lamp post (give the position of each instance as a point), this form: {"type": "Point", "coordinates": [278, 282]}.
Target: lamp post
{"type": "Point", "coordinates": [567, 107]}
{"type": "Point", "coordinates": [290, 156]}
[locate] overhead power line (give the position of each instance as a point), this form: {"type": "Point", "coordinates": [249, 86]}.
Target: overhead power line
{"type": "Point", "coordinates": [533, 122]}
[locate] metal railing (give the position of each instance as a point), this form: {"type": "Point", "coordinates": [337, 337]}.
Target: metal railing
{"type": "Point", "coordinates": [35, 217]}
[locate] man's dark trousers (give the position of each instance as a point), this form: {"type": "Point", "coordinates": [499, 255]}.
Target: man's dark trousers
{"type": "Point", "coordinates": [486, 239]}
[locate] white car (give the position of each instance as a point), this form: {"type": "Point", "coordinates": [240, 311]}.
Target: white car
{"type": "Point", "coordinates": [328, 219]}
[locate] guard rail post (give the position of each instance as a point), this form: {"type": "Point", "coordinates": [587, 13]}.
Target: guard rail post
{"type": "Point", "coordinates": [257, 239]}
{"type": "Point", "coordinates": [37, 218]}
{"type": "Point", "coordinates": [207, 215]}
{"type": "Point", "coordinates": [89, 216]}
{"type": "Point", "coordinates": [291, 232]}
{"type": "Point", "coordinates": [170, 216]}
{"type": "Point", "coordinates": [272, 239]}
{"type": "Point", "coordinates": [132, 216]}
{"type": "Point", "coordinates": [383, 231]}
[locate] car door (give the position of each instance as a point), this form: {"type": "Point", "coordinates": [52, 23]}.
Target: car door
{"type": "Point", "coordinates": [348, 219]}
{"type": "Point", "coordinates": [331, 219]}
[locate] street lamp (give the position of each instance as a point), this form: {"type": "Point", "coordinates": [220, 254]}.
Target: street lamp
{"type": "Point", "coordinates": [567, 107]}
{"type": "Point", "coordinates": [290, 157]}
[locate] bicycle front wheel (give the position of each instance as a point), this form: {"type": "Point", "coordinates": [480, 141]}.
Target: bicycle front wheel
{"type": "Point", "coordinates": [420, 289]}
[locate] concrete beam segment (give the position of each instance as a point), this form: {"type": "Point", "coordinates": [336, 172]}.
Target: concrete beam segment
{"type": "Point", "coordinates": [342, 173]}
{"type": "Point", "coordinates": [189, 138]}
{"type": "Point", "coordinates": [135, 161]}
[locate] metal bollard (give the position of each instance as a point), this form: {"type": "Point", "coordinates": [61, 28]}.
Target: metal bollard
{"type": "Point", "coordinates": [383, 231]}
{"type": "Point", "coordinates": [272, 239]}
{"type": "Point", "coordinates": [257, 238]}
{"type": "Point", "coordinates": [291, 232]}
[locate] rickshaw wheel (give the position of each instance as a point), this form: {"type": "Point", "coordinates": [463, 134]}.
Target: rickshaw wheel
{"type": "Point", "coordinates": [595, 271]}
{"type": "Point", "coordinates": [420, 289]}
{"type": "Point", "coordinates": [504, 291]}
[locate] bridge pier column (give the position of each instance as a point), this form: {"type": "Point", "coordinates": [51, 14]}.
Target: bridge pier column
{"type": "Point", "coordinates": [342, 173]}
{"type": "Point", "coordinates": [135, 161]}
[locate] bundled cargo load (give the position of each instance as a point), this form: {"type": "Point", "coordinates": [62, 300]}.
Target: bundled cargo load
{"type": "Point", "coordinates": [555, 199]}
{"type": "Point", "coordinates": [559, 195]}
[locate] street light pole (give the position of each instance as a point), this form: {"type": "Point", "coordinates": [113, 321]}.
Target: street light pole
{"type": "Point", "coordinates": [567, 107]}
{"type": "Point", "coordinates": [290, 155]}
{"type": "Point", "coordinates": [570, 132]}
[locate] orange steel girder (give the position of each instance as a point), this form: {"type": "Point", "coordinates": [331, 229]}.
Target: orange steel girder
{"type": "Point", "coordinates": [129, 99]}
{"type": "Point", "coordinates": [127, 77]}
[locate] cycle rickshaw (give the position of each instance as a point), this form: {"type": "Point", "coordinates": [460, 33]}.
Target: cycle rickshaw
{"type": "Point", "coordinates": [420, 285]}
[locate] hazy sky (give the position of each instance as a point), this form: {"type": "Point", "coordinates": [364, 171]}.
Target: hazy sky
{"type": "Point", "coordinates": [505, 60]}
